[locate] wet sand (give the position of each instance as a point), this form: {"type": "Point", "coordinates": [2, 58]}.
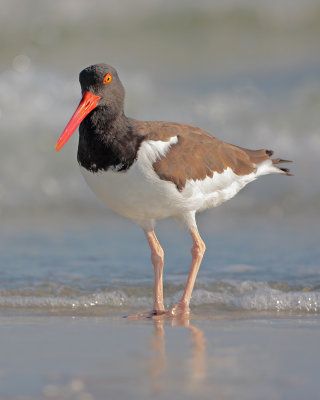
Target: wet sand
{"type": "Point", "coordinates": [226, 356]}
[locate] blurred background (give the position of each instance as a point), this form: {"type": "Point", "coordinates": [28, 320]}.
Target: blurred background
{"type": "Point", "coordinates": [247, 71]}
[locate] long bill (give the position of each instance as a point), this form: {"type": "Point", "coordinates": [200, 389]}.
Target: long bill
{"type": "Point", "coordinates": [88, 102]}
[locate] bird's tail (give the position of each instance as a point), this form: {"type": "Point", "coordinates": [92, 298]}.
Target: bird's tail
{"type": "Point", "coordinates": [275, 161]}
{"type": "Point", "coordinates": [259, 157]}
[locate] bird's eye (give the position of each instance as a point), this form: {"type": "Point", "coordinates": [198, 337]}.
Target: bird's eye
{"type": "Point", "coordinates": [107, 78]}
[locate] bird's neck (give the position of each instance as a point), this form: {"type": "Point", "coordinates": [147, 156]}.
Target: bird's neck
{"type": "Point", "coordinates": [107, 141]}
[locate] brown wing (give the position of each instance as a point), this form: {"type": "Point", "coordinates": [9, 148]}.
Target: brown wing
{"type": "Point", "coordinates": [197, 154]}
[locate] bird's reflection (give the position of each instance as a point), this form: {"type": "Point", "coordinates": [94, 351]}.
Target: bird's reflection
{"type": "Point", "coordinates": [194, 357]}
{"type": "Point", "coordinates": [159, 357]}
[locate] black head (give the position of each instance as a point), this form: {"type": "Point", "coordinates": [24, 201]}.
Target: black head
{"type": "Point", "coordinates": [101, 90]}
{"type": "Point", "coordinates": [102, 80]}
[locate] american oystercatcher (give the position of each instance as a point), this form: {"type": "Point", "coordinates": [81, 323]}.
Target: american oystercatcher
{"type": "Point", "coordinates": [153, 170]}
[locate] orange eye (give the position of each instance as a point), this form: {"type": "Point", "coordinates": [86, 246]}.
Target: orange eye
{"type": "Point", "coordinates": [107, 78]}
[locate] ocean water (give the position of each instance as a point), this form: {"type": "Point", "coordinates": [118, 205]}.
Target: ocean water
{"type": "Point", "coordinates": [104, 267]}
{"type": "Point", "coordinates": [247, 72]}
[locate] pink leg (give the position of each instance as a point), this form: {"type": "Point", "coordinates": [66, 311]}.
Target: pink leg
{"type": "Point", "coordinates": [197, 253]}
{"type": "Point", "coordinates": [157, 255]}
{"type": "Point", "coordinates": [157, 261]}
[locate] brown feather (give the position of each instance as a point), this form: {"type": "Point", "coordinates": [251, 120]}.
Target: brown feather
{"type": "Point", "coordinates": [197, 154]}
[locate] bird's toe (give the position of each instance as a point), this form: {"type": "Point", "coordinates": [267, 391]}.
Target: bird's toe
{"type": "Point", "coordinates": [148, 314]}
{"type": "Point", "coordinates": [180, 309]}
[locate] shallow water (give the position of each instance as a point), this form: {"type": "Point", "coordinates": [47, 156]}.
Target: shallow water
{"type": "Point", "coordinates": [104, 266]}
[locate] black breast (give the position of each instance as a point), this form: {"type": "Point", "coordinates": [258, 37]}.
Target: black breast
{"type": "Point", "coordinates": [107, 143]}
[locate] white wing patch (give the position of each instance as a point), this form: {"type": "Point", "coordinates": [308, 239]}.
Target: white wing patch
{"type": "Point", "coordinates": [151, 150]}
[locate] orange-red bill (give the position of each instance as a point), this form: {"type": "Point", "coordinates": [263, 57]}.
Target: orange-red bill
{"type": "Point", "coordinates": [88, 102]}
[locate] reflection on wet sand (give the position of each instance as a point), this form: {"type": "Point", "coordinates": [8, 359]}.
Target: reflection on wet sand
{"type": "Point", "coordinates": [194, 359]}
{"type": "Point", "coordinates": [159, 363]}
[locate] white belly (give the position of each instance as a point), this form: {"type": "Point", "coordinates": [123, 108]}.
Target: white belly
{"type": "Point", "coordinates": [133, 194]}
{"type": "Point", "coordinates": [138, 193]}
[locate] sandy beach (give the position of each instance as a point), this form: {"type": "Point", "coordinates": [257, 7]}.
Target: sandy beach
{"type": "Point", "coordinates": [229, 356]}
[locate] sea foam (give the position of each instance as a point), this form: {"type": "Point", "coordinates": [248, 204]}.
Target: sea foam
{"type": "Point", "coordinates": [249, 296]}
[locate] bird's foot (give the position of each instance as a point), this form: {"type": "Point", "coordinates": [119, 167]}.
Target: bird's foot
{"type": "Point", "coordinates": [179, 312]}
{"type": "Point", "coordinates": [148, 314]}
{"type": "Point", "coordinates": [181, 309]}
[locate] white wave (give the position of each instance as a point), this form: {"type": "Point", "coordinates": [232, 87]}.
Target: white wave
{"type": "Point", "coordinates": [248, 295]}
{"type": "Point", "coordinates": [262, 300]}
{"type": "Point", "coordinates": [115, 298]}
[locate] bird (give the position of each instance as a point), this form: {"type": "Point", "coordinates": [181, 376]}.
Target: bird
{"type": "Point", "coordinates": [151, 170]}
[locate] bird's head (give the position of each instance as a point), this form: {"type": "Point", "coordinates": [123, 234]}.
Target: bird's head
{"type": "Point", "coordinates": [100, 86]}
